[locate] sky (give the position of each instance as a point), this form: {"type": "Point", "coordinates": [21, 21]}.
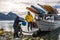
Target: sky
{"type": "Point", "coordinates": [20, 5]}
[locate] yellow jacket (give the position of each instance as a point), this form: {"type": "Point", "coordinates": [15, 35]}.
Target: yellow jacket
{"type": "Point", "coordinates": [29, 18]}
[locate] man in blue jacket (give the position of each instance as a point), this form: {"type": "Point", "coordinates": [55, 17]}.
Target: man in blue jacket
{"type": "Point", "coordinates": [15, 26]}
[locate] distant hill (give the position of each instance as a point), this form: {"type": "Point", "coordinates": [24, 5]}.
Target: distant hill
{"type": "Point", "coordinates": [9, 16]}
{"type": "Point", "coordinates": [12, 16]}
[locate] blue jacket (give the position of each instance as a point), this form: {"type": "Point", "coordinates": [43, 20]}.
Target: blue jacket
{"type": "Point", "coordinates": [16, 21]}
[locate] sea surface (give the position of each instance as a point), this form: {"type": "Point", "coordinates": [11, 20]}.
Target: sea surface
{"type": "Point", "coordinates": [7, 25]}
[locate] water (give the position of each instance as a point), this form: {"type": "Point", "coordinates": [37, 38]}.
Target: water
{"type": "Point", "coordinates": [8, 26]}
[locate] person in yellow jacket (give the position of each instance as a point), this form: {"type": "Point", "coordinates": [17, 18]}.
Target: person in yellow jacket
{"type": "Point", "coordinates": [29, 19]}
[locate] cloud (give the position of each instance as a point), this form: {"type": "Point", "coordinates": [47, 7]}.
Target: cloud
{"type": "Point", "coordinates": [11, 6]}
{"type": "Point", "coordinates": [17, 5]}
